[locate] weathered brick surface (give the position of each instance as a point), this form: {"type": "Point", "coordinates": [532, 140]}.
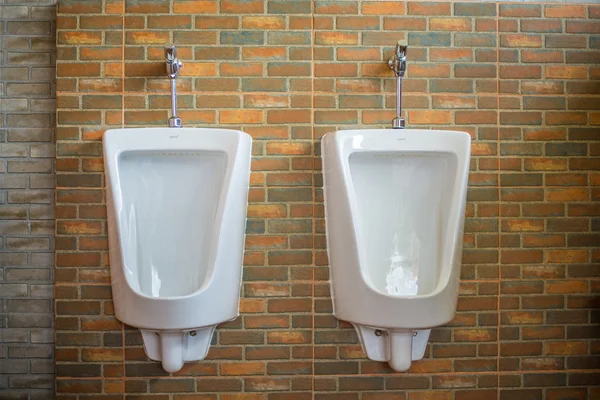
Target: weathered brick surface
{"type": "Point", "coordinates": [27, 150]}
{"type": "Point", "coordinates": [546, 130]}
{"type": "Point", "coordinates": [287, 72]}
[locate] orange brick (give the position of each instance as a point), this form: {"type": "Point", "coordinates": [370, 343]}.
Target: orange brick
{"type": "Point", "coordinates": [429, 71]}
{"type": "Point", "coordinates": [336, 8]}
{"type": "Point", "coordinates": [543, 241]}
{"type": "Point", "coordinates": [144, 37]}
{"type": "Point", "coordinates": [540, 56]}
{"type": "Point", "coordinates": [235, 396]}
{"type": "Point", "coordinates": [451, 54]}
{"type": "Point", "coordinates": [430, 395]}
{"type": "Point", "coordinates": [357, 54]}
{"type": "Point", "coordinates": [254, 257]}
{"type": "Point", "coordinates": [565, 11]}
{"type": "Point", "coordinates": [377, 116]}
{"type": "Point", "coordinates": [192, 117]}
{"type": "Point", "coordinates": [450, 24]}
{"type": "Point", "coordinates": [241, 116]}
{"type": "Point", "coordinates": [78, 227]}
{"type": "Point", "coordinates": [522, 225]}
{"type": "Point", "coordinates": [101, 355]}
{"type": "Point", "coordinates": [252, 305]}
{"type": "Point", "coordinates": [243, 368]}
{"type": "Point", "coordinates": [430, 366]}
{"type": "Point", "coordinates": [475, 335]}
{"type": "Point", "coordinates": [545, 164]}
{"type": "Point", "coordinates": [522, 318]}
{"type": "Point", "coordinates": [199, 69]}
{"type": "Point", "coordinates": [95, 53]}
{"type": "Point", "coordinates": [430, 117]}
{"type": "Point", "coordinates": [266, 132]}
{"type": "Point", "coordinates": [77, 38]}
{"type": "Point", "coordinates": [114, 386]}
{"type": "Point", "coordinates": [566, 72]}
{"type": "Point", "coordinates": [253, 242]}
{"type": "Point", "coordinates": [78, 69]}
{"type": "Point", "coordinates": [113, 69]}
{"type": "Point", "coordinates": [438, 8]}
{"type": "Point", "coordinates": [565, 348]}
{"type": "Point", "coordinates": [566, 256]}
{"type": "Point", "coordinates": [375, 70]}
{"type": "Point", "coordinates": [520, 41]}
{"type": "Point", "coordinates": [400, 24]}
{"type": "Point", "coordinates": [254, 22]}
{"type": "Point", "coordinates": [288, 69]}
{"type": "Point", "coordinates": [288, 148]}
{"type": "Point", "coordinates": [263, 53]}
{"type": "Point", "coordinates": [450, 101]}
{"type": "Point", "coordinates": [570, 286]}
{"type": "Point", "coordinates": [215, 22]}
{"type": "Point", "coordinates": [241, 69]}
{"type": "Point", "coordinates": [383, 8]}
{"type": "Point", "coordinates": [336, 38]}
{"type": "Point", "coordinates": [289, 337]}
{"type": "Point", "coordinates": [242, 6]}
{"type": "Point", "coordinates": [266, 101]}
{"type": "Point", "coordinates": [567, 194]}
{"type": "Point", "coordinates": [476, 117]}
{"type": "Point", "coordinates": [195, 7]}
{"type": "Point", "coordinates": [288, 116]}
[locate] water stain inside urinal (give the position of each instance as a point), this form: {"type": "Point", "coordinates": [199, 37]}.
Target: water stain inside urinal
{"type": "Point", "coordinates": [402, 277]}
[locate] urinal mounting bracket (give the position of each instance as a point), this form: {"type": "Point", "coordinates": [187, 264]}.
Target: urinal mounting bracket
{"type": "Point", "coordinates": [398, 64]}
{"type": "Point", "coordinates": [173, 67]}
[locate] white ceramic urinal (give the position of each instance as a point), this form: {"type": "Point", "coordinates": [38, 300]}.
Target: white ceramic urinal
{"type": "Point", "coordinates": [176, 201]}
{"type": "Point", "coordinates": [394, 209]}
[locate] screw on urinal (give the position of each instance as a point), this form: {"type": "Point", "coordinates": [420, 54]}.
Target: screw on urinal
{"type": "Point", "coordinates": [378, 332]}
{"type": "Point", "coordinates": [415, 334]}
{"type": "Point", "coordinates": [193, 333]}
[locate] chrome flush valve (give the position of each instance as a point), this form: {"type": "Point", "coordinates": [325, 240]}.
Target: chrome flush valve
{"type": "Point", "coordinates": [398, 61]}
{"type": "Point", "coordinates": [173, 64]}
{"type": "Point", "coordinates": [398, 64]}
{"type": "Point", "coordinates": [173, 68]}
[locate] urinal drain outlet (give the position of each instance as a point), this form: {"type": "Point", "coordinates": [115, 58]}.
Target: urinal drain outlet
{"type": "Point", "coordinates": [379, 332]}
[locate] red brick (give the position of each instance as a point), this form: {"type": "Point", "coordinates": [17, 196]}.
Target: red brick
{"type": "Point", "coordinates": [439, 8]}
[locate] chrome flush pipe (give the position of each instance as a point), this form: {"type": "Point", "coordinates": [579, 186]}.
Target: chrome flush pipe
{"type": "Point", "coordinates": [173, 68]}
{"type": "Point", "coordinates": [398, 64]}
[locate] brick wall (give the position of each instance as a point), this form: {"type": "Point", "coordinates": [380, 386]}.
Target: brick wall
{"type": "Point", "coordinates": [287, 72]}
{"type": "Point", "coordinates": [27, 120]}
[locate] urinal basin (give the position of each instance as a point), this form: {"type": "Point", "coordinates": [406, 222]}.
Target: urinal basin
{"type": "Point", "coordinates": [176, 201]}
{"type": "Point", "coordinates": [394, 210]}
{"type": "Point", "coordinates": [395, 198]}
